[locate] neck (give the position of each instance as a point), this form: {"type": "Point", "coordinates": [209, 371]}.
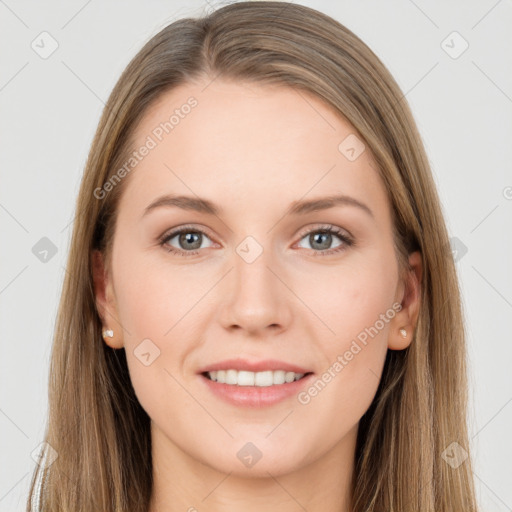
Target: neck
{"type": "Point", "coordinates": [183, 483]}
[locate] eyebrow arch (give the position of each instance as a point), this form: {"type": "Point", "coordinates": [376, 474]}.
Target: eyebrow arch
{"type": "Point", "coordinates": [323, 203]}
{"type": "Point", "coordinates": [296, 208]}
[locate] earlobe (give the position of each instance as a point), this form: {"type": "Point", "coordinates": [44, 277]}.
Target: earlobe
{"type": "Point", "coordinates": [400, 338]}
{"type": "Point", "coordinates": [403, 325]}
{"type": "Point", "coordinates": [105, 302]}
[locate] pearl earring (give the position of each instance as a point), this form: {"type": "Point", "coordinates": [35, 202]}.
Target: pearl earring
{"type": "Point", "coordinates": [403, 332]}
{"type": "Point", "coordinates": [108, 333]}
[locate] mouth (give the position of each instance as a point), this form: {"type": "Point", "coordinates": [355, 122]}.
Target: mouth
{"type": "Point", "coordinates": [250, 383]}
{"type": "Point", "coordinates": [262, 379]}
{"type": "Point", "coordinates": [243, 388]}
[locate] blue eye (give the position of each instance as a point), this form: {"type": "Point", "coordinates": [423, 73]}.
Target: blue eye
{"type": "Point", "coordinates": [190, 239]}
{"type": "Point", "coordinates": [324, 236]}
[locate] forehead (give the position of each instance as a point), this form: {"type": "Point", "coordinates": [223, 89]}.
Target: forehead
{"type": "Point", "coordinates": [249, 145]}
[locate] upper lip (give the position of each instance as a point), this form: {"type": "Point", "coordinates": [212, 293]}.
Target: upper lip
{"type": "Point", "coordinates": [253, 366]}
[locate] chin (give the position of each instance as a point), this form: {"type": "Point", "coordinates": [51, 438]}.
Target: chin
{"type": "Point", "coordinates": [258, 456]}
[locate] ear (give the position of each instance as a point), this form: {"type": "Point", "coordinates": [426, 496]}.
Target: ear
{"type": "Point", "coordinates": [105, 300]}
{"type": "Point", "coordinates": [410, 299]}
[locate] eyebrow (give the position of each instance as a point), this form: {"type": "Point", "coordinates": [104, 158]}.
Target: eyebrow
{"type": "Point", "coordinates": [301, 207]}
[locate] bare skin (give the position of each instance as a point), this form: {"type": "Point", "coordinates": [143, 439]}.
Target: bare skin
{"type": "Point", "coordinates": [252, 150]}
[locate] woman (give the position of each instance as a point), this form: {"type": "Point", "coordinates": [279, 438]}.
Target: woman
{"type": "Point", "coordinates": [245, 371]}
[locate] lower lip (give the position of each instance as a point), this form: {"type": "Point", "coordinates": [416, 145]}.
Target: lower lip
{"type": "Point", "coordinates": [256, 396]}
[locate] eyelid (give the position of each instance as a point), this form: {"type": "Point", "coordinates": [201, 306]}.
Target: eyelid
{"type": "Point", "coordinates": [327, 227]}
{"type": "Point", "coordinates": [190, 227]}
{"type": "Point", "coordinates": [305, 231]}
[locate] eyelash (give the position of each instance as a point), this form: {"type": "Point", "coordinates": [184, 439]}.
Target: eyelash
{"type": "Point", "coordinates": [347, 240]}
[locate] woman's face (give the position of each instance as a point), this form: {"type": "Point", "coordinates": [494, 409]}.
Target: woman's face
{"type": "Point", "coordinates": [253, 276]}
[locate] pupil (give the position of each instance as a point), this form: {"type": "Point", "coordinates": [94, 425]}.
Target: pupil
{"type": "Point", "coordinates": [188, 238]}
{"type": "Point", "coordinates": [327, 235]}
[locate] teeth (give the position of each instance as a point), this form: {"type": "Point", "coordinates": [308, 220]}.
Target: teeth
{"type": "Point", "coordinates": [262, 379]}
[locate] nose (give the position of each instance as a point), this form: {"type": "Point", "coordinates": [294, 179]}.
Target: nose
{"type": "Point", "coordinates": [258, 302]}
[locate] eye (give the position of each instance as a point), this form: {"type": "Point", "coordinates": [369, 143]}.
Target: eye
{"type": "Point", "coordinates": [320, 239]}
{"type": "Point", "coordinates": [189, 241]}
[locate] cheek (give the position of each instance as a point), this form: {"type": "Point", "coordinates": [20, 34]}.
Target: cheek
{"type": "Point", "coordinates": [160, 310]}
{"type": "Point", "coordinates": [355, 306]}
{"type": "Point", "coordinates": [351, 297]}
{"type": "Point", "coordinates": [153, 296]}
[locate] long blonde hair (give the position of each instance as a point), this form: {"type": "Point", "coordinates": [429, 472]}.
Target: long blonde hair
{"type": "Point", "coordinates": [96, 424]}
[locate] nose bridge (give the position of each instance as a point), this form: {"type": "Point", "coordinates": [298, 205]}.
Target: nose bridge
{"type": "Point", "coordinates": [256, 298]}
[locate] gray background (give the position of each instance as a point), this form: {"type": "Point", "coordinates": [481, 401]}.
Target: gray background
{"type": "Point", "coordinates": [50, 108]}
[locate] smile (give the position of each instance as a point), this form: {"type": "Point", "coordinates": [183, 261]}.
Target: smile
{"type": "Point", "coordinates": [245, 378]}
{"type": "Point", "coordinates": [255, 389]}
